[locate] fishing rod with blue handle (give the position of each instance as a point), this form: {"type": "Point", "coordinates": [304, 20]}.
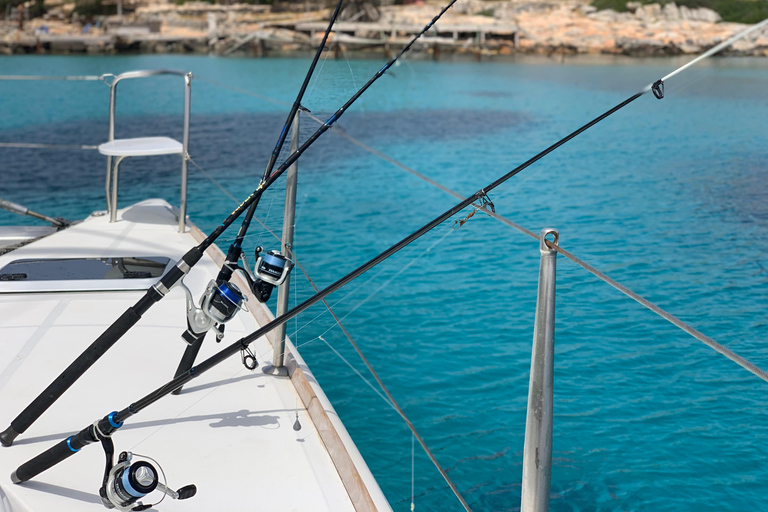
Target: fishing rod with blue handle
{"type": "Point", "coordinates": [110, 423]}
{"type": "Point", "coordinates": [154, 294]}
{"type": "Point", "coordinates": [196, 331]}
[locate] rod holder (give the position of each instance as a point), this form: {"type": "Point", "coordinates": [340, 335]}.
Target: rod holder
{"type": "Point", "coordinates": [289, 216]}
{"type": "Point", "coordinates": [537, 451]}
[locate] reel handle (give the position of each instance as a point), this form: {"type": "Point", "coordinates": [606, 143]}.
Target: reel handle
{"type": "Point", "coordinates": [187, 492]}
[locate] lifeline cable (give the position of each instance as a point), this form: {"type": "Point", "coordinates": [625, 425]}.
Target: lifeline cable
{"type": "Point", "coordinates": [744, 363]}
{"type": "Point", "coordinates": [86, 78]}
{"type": "Point", "coordinates": [114, 420]}
{"type": "Point", "coordinates": [154, 294]}
{"type": "Point", "coordinates": [29, 145]}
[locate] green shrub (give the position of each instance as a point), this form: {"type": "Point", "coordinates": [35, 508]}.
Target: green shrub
{"type": "Point", "coordinates": [740, 11]}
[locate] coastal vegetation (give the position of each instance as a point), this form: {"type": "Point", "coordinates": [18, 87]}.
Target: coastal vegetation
{"type": "Point", "coordinates": [738, 11]}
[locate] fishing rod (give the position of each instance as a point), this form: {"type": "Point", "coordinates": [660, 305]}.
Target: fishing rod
{"type": "Point", "coordinates": [198, 325]}
{"type": "Point", "coordinates": [155, 293]}
{"type": "Point", "coordinates": [104, 428]}
{"type": "Point", "coordinates": [57, 222]}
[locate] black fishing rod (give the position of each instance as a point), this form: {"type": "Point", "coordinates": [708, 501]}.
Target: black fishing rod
{"type": "Point", "coordinates": [104, 428]}
{"type": "Point", "coordinates": [154, 294]}
{"type": "Point", "coordinates": [114, 420]}
{"type": "Point", "coordinates": [57, 222]}
{"type": "Point", "coordinates": [195, 334]}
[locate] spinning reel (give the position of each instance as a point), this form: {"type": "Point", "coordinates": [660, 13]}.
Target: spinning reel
{"type": "Point", "coordinates": [129, 481]}
{"type": "Point", "coordinates": [223, 299]}
{"type": "Point", "coordinates": [272, 268]}
{"type": "Point", "coordinates": [219, 304]}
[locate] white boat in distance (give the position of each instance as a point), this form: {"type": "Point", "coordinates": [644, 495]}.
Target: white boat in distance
{"type": "Point", "coordinates": [262, 440]}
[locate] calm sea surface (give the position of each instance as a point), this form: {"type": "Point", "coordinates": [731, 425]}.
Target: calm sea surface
{"type": "Point", "coordinates": [668, 197]}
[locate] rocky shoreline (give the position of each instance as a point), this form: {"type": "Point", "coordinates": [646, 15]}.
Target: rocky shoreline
{"type": "Point", "coordinates": [473, 28]}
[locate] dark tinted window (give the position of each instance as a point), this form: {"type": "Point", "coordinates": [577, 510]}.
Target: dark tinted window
{"type": "Point", "coordinates": [71, 269]}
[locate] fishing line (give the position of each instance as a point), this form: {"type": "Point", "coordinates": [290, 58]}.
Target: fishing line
{"type": "Point", "coordinates": [375, 276]}
{"type": "Point", "coordinates": [384, 285]}
{"type": "Point", "coordinates": [351, 74]}
{"type": "Point", "coordinates": [317, 77]}
{"type": "Point", "coordinates": [232, 197]}
{"type": "Point", "coordinates": [266, 219]}
{"type": "Point", "coordinates": [374, 388]}
{"type": "Point", "coordinates": [196, 332]}
{"type": "Point", "coordinates": [295, 283]}
{"type": "Point", "coordinates": [393, 403]}
{"type": "Point", "coordinates": [172, 420]}
{"type": "Point", "coordinates": [342, 299]}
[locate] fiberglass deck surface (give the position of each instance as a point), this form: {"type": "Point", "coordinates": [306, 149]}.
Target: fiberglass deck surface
{"type": "Point", "coordinates": [229, 432]}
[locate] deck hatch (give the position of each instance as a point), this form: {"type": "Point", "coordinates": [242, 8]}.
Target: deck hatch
{"type": "Point", "coordinates": [78, 269]}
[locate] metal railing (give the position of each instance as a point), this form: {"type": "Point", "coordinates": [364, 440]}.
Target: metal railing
{"type": "Point", "coordinates": [289, 214]}
{"type": "Point", "coordinates": [111, 182]}
{"type": "Point", "coordinates": [537, 450]}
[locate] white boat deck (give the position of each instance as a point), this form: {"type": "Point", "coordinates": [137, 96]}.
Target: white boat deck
{"type": "Point", "coordinates": [230, 432]}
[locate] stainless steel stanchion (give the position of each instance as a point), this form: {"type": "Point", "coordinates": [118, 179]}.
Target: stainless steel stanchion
{"type": "Point", "coordinates": [537, 452]}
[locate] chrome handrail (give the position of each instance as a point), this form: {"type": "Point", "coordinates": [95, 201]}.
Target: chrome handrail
{"type": "Point", "coordinates": [112, 183]}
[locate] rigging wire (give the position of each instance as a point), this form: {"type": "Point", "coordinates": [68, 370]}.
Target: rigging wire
{"type": "Point", "coordinates": [744, 363]}
{"type": "Point", "coordinates": [389, 399]}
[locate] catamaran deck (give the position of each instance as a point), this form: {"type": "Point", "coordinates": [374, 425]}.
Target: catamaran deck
{"type": "Point", "coordinates": [230, 432]}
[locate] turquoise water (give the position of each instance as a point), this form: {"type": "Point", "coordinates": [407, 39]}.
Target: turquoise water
{"type": "Point", "coordinates": [668, 197]}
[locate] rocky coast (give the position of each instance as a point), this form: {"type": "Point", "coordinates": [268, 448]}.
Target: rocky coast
{"type": "Point", "coordinates": [473, 28]}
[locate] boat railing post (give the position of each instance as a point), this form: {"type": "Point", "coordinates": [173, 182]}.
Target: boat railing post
{"type": "Point", "coordinates": [289, 215]}
{"type": "Point", "coordinates": [185, 152]}
{"type": "Point", "coordinates": [537, 451]}
{"type": "Point", "coordinates": [110, 138]}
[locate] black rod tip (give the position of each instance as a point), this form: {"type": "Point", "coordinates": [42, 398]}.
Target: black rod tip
{"type": "Point", "coordinates": [15, 479]}
{"type": "Point", "coordinates": [7, 437]}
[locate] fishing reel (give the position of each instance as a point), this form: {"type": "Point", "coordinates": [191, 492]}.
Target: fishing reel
{"type": "Point", "coordinates": [272, 268]}
{"type": "Point", "coordinates": [219, 304]}
{"type": "Point", "coordinates": [128, 481]}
